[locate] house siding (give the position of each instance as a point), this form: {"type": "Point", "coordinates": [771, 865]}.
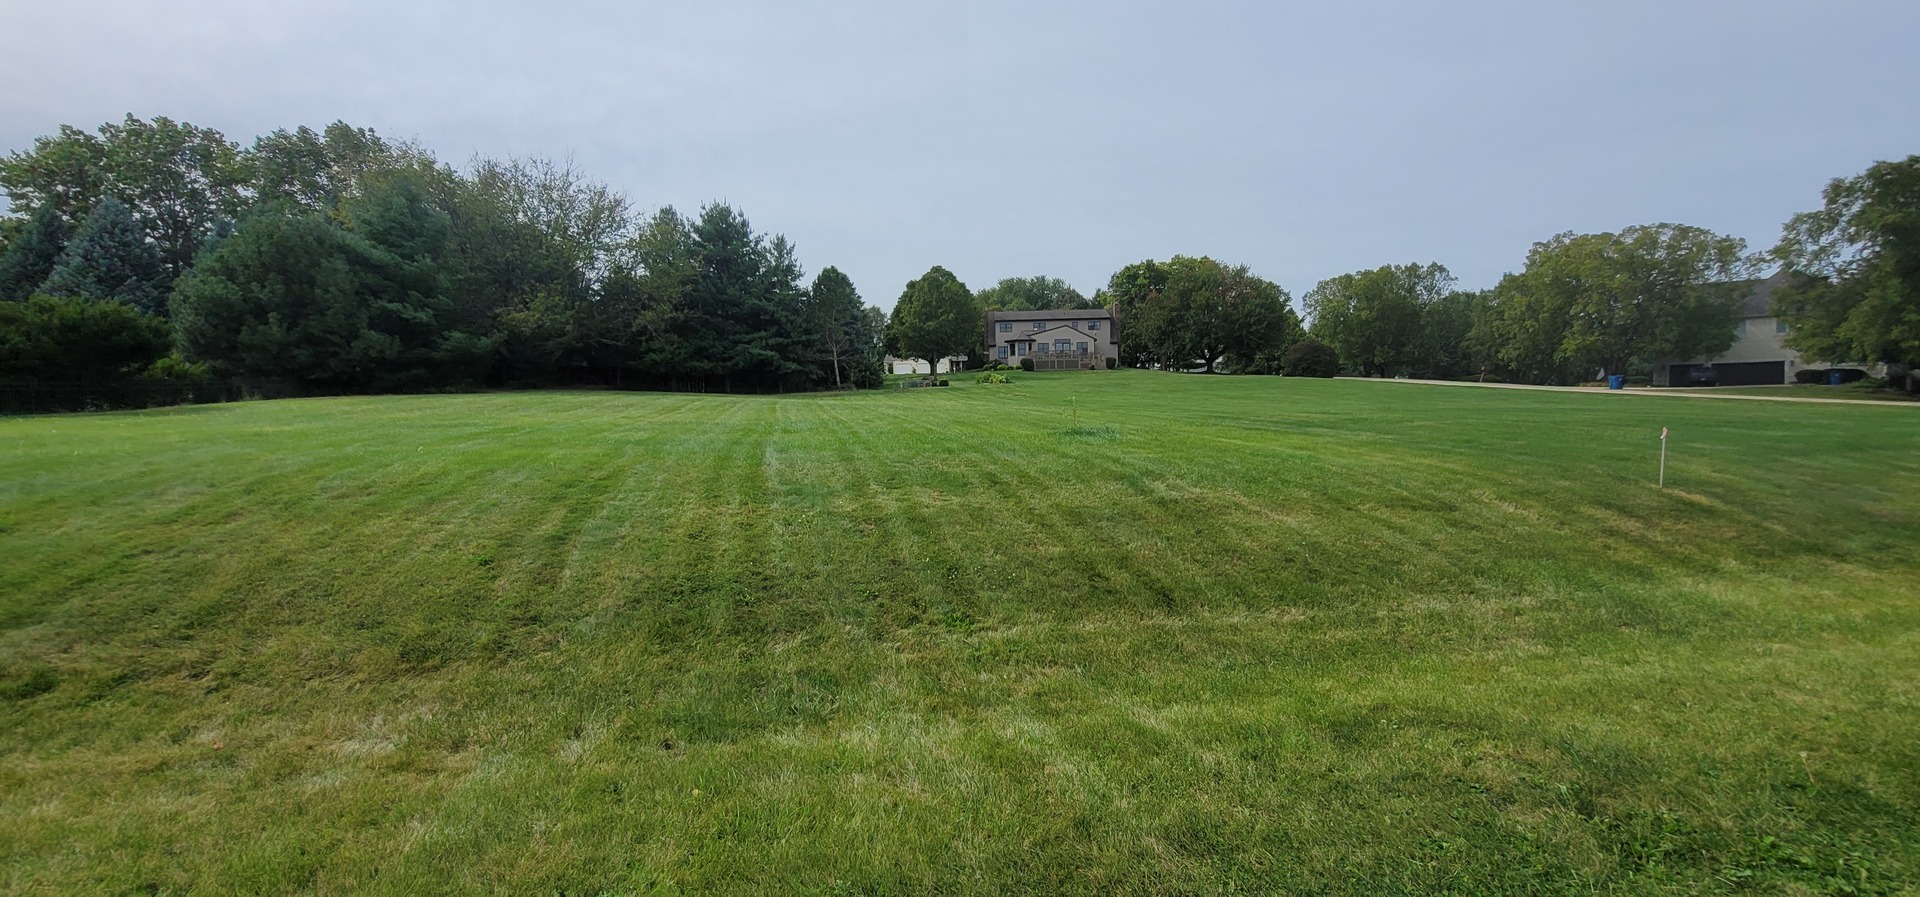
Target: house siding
{"type": "Point", "coordinates": [1758, 339]}
{"type": "Point", "coordinates": [1026, 330]}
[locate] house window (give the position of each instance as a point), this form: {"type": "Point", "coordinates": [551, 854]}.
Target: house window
{"type": "Point", "coordinates": [1779, 326]}
{"type": "Point", "coordinates": [1006, 326]}
{"type": "Point", "coordinates": [1019, 348]}
{"type": "Point", "coordinates": [1093, 325]}
{"type": "Point", "coordinates": [1740, 329]}
{"type": "Point", "coordinates": [1083, 348]}
{"type": "Point", "coordinates": [1039, 325]}
{"type": "Point", "coordinates": [1000, 351]}
{"type": "Point", "coordinates": [1061, 345]}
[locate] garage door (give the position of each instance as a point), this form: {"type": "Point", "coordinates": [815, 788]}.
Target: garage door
{"type": "Point", "coordinates": [1750, 373]}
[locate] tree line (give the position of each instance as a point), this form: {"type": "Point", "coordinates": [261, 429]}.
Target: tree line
{"type": "Point", "coordinates": [1621, 302]}
{"type": "Point", "coordinates": [344, 261]}
{"type": "Point", "coordinates": [1583, 304]}
{"type": "Point", "coordinates": [341, 260]}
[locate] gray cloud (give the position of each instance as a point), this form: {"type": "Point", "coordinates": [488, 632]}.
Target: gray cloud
{"type": "Point", "coordinates": [999, 139]}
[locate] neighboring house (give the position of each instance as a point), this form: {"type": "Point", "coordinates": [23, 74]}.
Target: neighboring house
{"type": "Point", "coordinates": [1056, 339]}
{"type": "Point", "coordinates": [1759, 355]}
{"type": "Point", "coordinates": [918, 366]}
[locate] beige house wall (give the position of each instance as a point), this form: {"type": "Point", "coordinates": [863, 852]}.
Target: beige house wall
{"type": "Point", "coordinates": [1071, 325]}
{"type": "Point", "coordinates": [1757, 338]}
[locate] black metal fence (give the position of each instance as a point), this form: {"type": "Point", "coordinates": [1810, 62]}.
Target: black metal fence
{"type": "Point", "coordinates": [49, 398]}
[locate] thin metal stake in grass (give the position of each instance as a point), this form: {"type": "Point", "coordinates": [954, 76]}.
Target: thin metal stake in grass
{"type": "Point", "coordinates": [1663, 457]}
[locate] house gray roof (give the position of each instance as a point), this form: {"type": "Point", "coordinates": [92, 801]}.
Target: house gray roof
{"type": "Point", "coordinates": [1759, 301]}
{"type": "Point", "coordinates": [1052, 314]}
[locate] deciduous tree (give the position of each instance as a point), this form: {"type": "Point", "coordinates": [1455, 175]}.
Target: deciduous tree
{"type": "Point", "coordinates": [936, 318]}
{"type": "Point", "coordinates": [1032, 294]}
{"type": "Point", "coordinates": [1860, 253]}
{"type": "Point", "coordinates": [1373, 318]}
{"type": "Point", "coordinates": [178, 180]}
{"type": "Point", "coordinates": [1592, 302]}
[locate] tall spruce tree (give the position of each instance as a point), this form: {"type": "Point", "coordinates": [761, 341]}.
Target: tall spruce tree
{"type": "Point", "coordinates": [110, 258]}
{"type": "Point", "coordinates": [31, 256]}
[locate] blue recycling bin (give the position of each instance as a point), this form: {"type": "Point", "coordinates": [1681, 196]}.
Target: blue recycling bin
{"type": "Point", "coordinates": [1833, 378]}
{"type": "Point", "coordinates": [1616, 381]}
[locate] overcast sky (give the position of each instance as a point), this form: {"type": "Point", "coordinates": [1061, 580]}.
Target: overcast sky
{"type": "Point", "coordinates": [1002, 139]}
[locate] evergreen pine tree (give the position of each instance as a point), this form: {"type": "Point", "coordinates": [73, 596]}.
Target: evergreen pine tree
{"type": "Point", "coordinates": [30, 257]}
{"type": "Point", "coordinates": [110, 258]}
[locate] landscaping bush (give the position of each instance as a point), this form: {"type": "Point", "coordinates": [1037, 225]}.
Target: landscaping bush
{"type": "Point", "coordinates": [1112, 362]}
{"type": "Point", "coordinates": [1026, 364]}
{"type": "Point", "coordinates": [992, 377]}
{"type": "Point", "coordinates": [75, 341]}
{"type": "Point", "coordinates": [174, 369]}
{"type": "Point", "coordinates": [1310, 358]}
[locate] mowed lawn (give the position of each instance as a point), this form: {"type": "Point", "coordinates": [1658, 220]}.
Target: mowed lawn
{"type": "Point", "coordinates": [1096, 633]}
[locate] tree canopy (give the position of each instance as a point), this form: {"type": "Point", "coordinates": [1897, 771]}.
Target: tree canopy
{"type": "Point", "coordinates": [178, 181]}
{"type": "Point", "coordinates": [109, 258]}
{"type": "Point", "coordinates": [76, 341]}
{"type": "Point", "coordinates": [840, 329]}
{"type": "Point", "coordinates": [1374, 319]}
{"type": "Point", "coordinates": [31, 254]}
{"type": "Point", "coordinates": [1592, 302]}
{"type": "Point", "coordinates": [1859, 257]}
{"type": "Point", "coordinates": [1197, 312]}
{"type": "Point", "coordinates": [935, 318]}
{"type": "Point", "coordinates": [341, 259]}
{"type": "Point", "coordinates": [1032, 294]}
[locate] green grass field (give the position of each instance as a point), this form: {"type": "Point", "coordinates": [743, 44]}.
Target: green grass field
{"type": "Point", "coordinates": [1851, 392]}
{"type": "Point", "coordinates": [1096, 633]}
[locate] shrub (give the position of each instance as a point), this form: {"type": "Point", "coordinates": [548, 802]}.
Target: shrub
{"type": "Point", "coordinates": [941, 382]}
{"type": "Point", "coordinates": [1310, 358]}
{"type": "Point", "coordinates": [992, 377]}
{"type": "Point", "coordinates": [1026, 364]}
{"type": "Point", "coordinates": [66, 340]}
{"type": "Point", "coordinates": [1112, 362]}
{"type": "Point", "coordinates": [173, 368]}
{"type": "Point", "coordinates": [1819, 376]}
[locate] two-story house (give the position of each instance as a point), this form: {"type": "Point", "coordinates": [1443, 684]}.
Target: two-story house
{"type": "Point", "coordinates": [1759, 355]}
{"type": "Point", "coordinates": [1056, 339]}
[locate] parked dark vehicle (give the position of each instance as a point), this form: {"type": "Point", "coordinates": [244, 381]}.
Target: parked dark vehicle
{"type": "Point", "coordinates": [1703, 376]}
